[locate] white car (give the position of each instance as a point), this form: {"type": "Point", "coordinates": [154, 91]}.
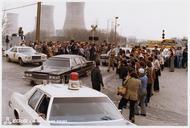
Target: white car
{"type": "Point", "coordinates": [105, 57]}
{"type": "Point", "coordinates": [24, 54]}
{"type": "Point", "coordinates": [66, 104]}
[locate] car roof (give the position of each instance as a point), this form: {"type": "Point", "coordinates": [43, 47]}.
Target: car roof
{"type": "Point", "coordinates": [66, 56]}
{"type": "Point", "coordinates": [61, 90]}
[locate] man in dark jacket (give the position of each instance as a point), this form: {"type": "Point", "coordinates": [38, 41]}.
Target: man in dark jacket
{"type": "Point", "coordinates": [92, 53]}
{"type": "Point", "coordinates": [7, 40]}
{"type": "Point", "coordinates": [123, 71]}
{"type": "Point", "coordinates": [96, 77]}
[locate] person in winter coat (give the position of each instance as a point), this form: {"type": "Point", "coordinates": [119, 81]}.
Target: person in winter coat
{"type": "Point", "coordinates": [132, 84]}
{"type": "Point", "coordinates": [143, 90]}
{"type": "Point", "coordinates": [150, 75]}
{"type": "Point", "coordinates": [96, 77]}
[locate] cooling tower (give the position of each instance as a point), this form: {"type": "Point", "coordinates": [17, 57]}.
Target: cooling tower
{"type": "Point", "coordinates": [74, 16]}
{"type": "Point", "coordinates": [47, 20]}
{"type": "Point", "coordinates": [11, 25]}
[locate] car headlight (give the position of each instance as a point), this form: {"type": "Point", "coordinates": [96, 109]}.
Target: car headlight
{"type": "Point", "coordinates": [28, 57]}
{"type": "Point", "coordinates": [44, 57]}
{"type": "Point", "coordinates": [54, 77]}
{"type": "Point", "coordinates": [28, 74]}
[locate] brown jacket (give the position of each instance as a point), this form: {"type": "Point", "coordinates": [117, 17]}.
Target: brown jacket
{"type": "Point", "coordinates": [132, 86]}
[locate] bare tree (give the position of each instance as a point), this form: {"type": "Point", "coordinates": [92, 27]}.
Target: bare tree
{"type": "Point", "coordinates": [4, 24]}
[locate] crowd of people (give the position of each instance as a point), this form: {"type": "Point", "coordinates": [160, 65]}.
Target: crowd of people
{"type": "Point", "coordinates": [88, 50]}
{"type": "Point", "coordinates": [139, 69]}
{"type": "Point", "coordinates": [140, 72]}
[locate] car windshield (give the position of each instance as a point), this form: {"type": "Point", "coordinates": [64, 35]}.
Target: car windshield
{"type": "Point", "coordinates": [56, 62]}
{"type": "Point", "coordinates": [83, 110]}
{"type": "Point", "coordinates": [28, 50]}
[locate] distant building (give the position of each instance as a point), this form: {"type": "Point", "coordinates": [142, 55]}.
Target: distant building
{"type": "Point", "coordinates": [11, 24]}
{"type": "Point", "coordinates": [47, 20]}
{"type": "Point", "coordinates": [74, 16]}
{"type": "Point", "coordinates": [59, 32]}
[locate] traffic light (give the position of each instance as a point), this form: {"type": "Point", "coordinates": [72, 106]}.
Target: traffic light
{"type": "Point", "coordinates": [163, 35]}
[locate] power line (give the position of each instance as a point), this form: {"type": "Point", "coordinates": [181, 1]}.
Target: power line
{"type": "Point", "coordinates": [19, 7]}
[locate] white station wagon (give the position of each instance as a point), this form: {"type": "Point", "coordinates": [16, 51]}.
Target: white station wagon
{"type": "Point", "coordinates": [24, 54]}
{"type": "Point", "coordinates": [66, 104]}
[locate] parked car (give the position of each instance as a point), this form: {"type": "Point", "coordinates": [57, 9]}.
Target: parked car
{"type": "Point", "coordinates": [61, 104]}
{"type": "Point", "coordinates": [58, 68]}
{"type": "Point", "coordinates": [104, 58]}
{"type": "Point", "coordinates": [24, 54]}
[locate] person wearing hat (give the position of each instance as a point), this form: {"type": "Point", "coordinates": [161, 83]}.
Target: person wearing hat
{"type": "Point", "coordinates": [142, 90]}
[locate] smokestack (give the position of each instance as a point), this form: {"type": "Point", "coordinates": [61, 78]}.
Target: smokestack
{"type": "Point", "coordinates": [74, 16]}
{"type": "Point", "coordinates": [11, 25]}
{"type": "Point", "coordinates": [47, 20]}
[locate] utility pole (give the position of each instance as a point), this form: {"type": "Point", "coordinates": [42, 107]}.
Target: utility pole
{"type": "Point", "coordinates": [115, 40]}
{"type": "Point", "coordinates": [93, 31]}
{"type": "Point", "coordinates": [107, 36]}
{"type": "Point", "coordinates": [38, 22]}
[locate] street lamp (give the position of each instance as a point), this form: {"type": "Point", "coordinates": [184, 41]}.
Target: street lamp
{"type": "Point", "coordinates": [115, 39]}
{"type": "Point", "coordinates": [108, 25]}
{"type": "Point", "coordinates": [93, 31]}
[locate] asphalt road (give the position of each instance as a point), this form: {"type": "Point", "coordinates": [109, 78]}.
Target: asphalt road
{"type": "Point", "coordinates": [168, 107]}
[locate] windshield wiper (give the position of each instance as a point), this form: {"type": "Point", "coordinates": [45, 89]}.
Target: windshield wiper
{"type": "Point", "coordinates": [106, 118]}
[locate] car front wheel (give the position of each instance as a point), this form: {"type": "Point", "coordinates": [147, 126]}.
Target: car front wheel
{"type": "Point", "coordinates": [21, 62]}
{"type": "Point", "coordinates": [33, 83]}
{"type": "Point", "coordinates": [66, 81]}
{"type": "Point", "coordinates": [16, 117]}
{"type": "Point", "coordinates": [8, 59]}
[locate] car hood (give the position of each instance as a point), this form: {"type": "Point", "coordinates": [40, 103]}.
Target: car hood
{"type": "Point", "coordinates": [50, 70]}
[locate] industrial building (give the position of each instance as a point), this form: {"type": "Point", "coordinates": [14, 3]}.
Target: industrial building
{"type": "Point", "coordinates": [74, 16]}
{"type": "Point", "coordinates": [11, 24]}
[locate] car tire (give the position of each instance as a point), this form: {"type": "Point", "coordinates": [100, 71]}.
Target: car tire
{"type": "Point", "coordinates": [86, 73]}
{"type": "Point", "coordinates": [32, 82]}
{"type": "Point", "coordinates": [40, 63]}
{"type": "Point", "coordinates": [66, 79]}
{"type": "Point", "coordinates": [8, 58]}
{"type": "Point", "coordinates": [16, 117]}
{"type": "Point", "coordinates": [21, 62]}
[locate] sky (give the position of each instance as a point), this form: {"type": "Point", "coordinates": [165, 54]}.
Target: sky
{"type": "Point", "coordinates": [143, 19]}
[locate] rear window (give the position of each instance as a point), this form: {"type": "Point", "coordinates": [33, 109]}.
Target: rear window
{"type": "Point", "coordinates": [58, 62]}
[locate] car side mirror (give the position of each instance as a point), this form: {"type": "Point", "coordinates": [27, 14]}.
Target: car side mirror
{"type": "Point", "coordinates": [120, 110]}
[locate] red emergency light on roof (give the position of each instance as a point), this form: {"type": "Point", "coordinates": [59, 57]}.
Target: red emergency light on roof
{"type": "Point", "coordinates": [74, 76]}
{"type": "Point", "coordinates": [74, 83]}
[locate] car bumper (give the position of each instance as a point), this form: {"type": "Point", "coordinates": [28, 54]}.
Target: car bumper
{"type": "Point", "coordinates": [40, 81]}
{"type": "Point", "coordinates": [33, 61]}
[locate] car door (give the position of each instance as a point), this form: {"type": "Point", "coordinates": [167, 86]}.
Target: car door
{"type": "Point", "coordinates": [11, 54]}
{"type": "Point", "coordinates": [17, 55]}
{"type": "Point", "coordinates": [31, 105]}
